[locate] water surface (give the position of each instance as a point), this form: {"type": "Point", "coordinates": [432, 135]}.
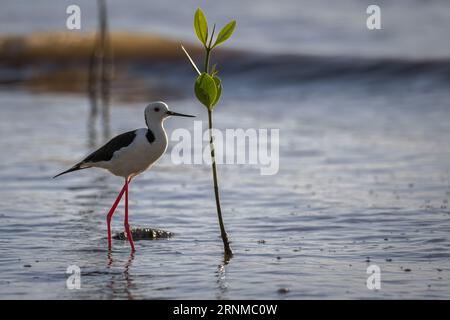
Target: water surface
{"type": "Point", "coordinates": [372, 188]}
{"type": "Point", "coordinates": [364, 163]}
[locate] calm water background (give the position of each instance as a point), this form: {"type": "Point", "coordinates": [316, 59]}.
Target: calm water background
{"type": "Point", "coordinates": [364, 163]}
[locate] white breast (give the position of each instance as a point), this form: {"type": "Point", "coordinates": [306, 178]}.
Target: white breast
{"type": "Point", "coordinates": [138, 156]}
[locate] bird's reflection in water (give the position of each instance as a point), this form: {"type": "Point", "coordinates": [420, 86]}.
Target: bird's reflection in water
{"type": "Point", "coordinates": [123, 283]}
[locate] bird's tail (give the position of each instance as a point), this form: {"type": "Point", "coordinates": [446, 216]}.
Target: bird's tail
{"type": "Point", "coordinates": [74, 168]}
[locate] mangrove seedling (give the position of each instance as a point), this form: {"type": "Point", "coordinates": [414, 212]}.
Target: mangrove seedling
{"type": "Point", "coordinates": [208, 90]}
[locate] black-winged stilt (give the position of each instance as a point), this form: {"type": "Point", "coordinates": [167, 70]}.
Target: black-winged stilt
{"type": "Point", "coordinates": [130, 154]}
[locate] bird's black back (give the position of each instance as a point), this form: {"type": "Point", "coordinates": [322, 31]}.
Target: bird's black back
{"type": "Point", "coordinates": [106, 152]}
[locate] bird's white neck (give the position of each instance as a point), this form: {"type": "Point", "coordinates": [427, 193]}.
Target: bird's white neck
{"type": "Point", "coordinates": [156, 126]}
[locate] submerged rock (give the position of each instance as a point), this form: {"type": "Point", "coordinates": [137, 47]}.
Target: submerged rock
{"type": "Point", "coordinates": [283, 290]}
{"type": "Point", "coordinates": [144, 234]}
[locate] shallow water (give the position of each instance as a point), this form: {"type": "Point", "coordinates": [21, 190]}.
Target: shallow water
{"type": "Point", "coordinates": [364, 162]}
{"type": "Point", "coordinates": [361, 182]}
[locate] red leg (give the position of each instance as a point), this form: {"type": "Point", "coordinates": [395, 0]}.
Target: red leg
{"type": "Point", "coordinates": [110, 214]}
{"type": "Point", "coordinates": [127, 226]}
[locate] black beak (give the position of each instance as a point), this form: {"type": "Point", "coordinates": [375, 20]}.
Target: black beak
{"type": "Point", "coordinates": [171, 113]}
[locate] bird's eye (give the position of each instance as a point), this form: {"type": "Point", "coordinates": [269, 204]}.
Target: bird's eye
{"type": "Point", "coordinates": [156, 109]}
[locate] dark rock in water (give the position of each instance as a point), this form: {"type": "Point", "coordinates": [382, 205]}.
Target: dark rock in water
{"type": "Point", "coordinates": [144, 234]}
{"type": "Point", "coordinates": [283, 290]}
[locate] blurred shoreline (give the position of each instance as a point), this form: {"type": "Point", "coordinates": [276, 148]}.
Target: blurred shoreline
{"type": "Point", "coordinates": [147, 66]}
{"type": "Point", "coordinates": [77, 47]}
{"type": "Point", "coordinates": [58, 62]}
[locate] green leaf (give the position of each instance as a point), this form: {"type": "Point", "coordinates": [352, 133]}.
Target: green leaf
{"type": "Point", "coordinates": [218, 83]}
{"type": "Point", "coordinates": [205, 90]}
{"type": "Point", "coordinates": [201, 26]}
{"type": "Point", "coordinates": [225, 33]}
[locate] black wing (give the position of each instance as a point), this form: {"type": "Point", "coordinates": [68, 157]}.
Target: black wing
{"type": "Point", "coordinates": [106, 152]}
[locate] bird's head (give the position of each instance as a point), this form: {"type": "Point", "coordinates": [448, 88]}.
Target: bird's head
{"type": "Point", "coordinates": [158, 111]}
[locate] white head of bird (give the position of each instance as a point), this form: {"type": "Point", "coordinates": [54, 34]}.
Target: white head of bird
{"type": "Point", "coordinates": [157, 112]}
